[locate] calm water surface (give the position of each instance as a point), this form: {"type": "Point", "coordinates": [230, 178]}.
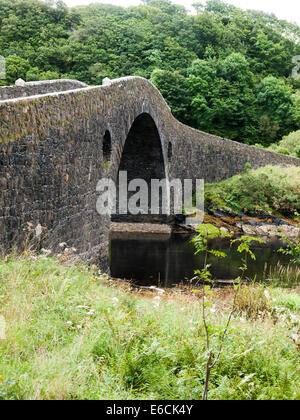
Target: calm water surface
{"type": "Point", "coordinates": [168, 260]}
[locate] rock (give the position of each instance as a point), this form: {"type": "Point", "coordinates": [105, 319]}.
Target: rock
{"type": "Point", "coordinates": [106, 81]}
{"type": "Point", "coordinates": [291, 232]}
{"type": "Point", "coordinates": [271, 231]}
{"type": "Point", "coordinates": [223, 229]}
{"type": "Point", "coordinates": [20, 82]}
{"type": "Point", "coordinates": [267, 230]}
{"type": "Point", "coordinates": [249, 230]}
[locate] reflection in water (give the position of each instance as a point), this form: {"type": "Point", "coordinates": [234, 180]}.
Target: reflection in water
{"type": "Point", "coordinates": [167, 260]}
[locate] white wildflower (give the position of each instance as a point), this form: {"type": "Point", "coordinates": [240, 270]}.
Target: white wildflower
{"type": "Point", "coordinates": [91, 312]}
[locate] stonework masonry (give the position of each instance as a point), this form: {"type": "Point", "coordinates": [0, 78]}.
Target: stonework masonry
{"type": "Point", "coordinates": [51, 156]}
{"type": "Point", "coordinates": [38, 88]}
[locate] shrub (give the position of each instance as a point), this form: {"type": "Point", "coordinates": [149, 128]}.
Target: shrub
{"type": "Point", "coordinates": [271, 190]}
{"type": "Point", "coordinates": [288, 145]}
{"type": "Point", "coordinates": [297, 151]}
{"type": "Point", "coordinates": [283, 151]}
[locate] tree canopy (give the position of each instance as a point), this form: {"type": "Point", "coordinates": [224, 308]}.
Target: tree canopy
{"type": "Point", "coordinates": [222, 70]}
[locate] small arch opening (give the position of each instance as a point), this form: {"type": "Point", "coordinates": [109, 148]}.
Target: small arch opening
{"type": "Point", "coordinates": [107, 147]}
{"type": "Point", "coordinates": [170, 151]}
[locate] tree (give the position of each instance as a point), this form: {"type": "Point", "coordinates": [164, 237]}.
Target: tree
{"type": "Point", "coordinates": [16, 67]}
{"type": "Point", "coordinates": [173, 86]}
{"type": "Point", "coordinates": [274, 100]}
{"type": "Point", "coordinates": [223, 100]}
{"type": "Point", "coordinates": [296, 103]}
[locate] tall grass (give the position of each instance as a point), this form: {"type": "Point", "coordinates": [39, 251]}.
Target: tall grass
{"type": "Point", "coordinates": [74, 334]}
{"type": "Point", "coordinates": [284, 276]}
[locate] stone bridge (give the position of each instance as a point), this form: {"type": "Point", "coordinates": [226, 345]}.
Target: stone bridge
{"type": "Point", "coordinates": [59, 138]}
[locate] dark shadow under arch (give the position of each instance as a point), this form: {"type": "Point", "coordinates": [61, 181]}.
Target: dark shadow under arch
{"type": "Point", "coordinates": [107, 146]}
{"type": "Point", "coordinates": [142, 158]}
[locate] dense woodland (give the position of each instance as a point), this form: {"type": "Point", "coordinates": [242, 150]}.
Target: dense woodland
{"type": "Point", "coordinates": [222, 70]}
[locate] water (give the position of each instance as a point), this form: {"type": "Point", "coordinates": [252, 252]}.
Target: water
{"type": "Point", "coordinates": [168, 260]}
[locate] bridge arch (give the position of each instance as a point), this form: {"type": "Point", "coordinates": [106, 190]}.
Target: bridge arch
{"type": "Point", "coordinates": [52, 157]}
{"type": "Point", "coordinates": [142, 157]}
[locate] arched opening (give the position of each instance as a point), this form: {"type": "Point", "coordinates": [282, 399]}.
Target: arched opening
{"type": "Point", "coordinates": [106, 147]}
{"type": "Point", "coordinates": [142, 158]}
{"type": "Point", "coordinates": [170, 152]}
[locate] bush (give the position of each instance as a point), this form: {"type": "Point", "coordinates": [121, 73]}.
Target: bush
{"type": "Point", "coordinates": [283, 151]}
{"type": "Point", "coordinates": [297, 151]}
{"type": "Point", "coordinates": [271, 190]}
{"type": "Point", "coordinates": [288, 145]}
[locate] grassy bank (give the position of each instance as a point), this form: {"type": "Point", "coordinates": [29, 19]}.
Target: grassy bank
{"type": "Point", "coordinates": [74, 334]}
{"type": "Point", "coordinates": [270, 190]}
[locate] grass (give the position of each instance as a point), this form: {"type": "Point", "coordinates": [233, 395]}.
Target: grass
{"type": "Point", "coordinates": [270, 190]}
{"type": "Point", "coordinates": [72, 333]}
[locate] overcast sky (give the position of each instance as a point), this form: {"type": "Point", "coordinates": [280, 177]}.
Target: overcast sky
{"type": "Point", "coordinates": [284, 9]}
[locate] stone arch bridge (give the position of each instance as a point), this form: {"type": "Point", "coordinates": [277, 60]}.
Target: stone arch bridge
{"type": "Point", "coordinates": [58, 138]}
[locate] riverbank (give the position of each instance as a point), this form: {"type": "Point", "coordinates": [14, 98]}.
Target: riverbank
{"type": "Point", "coordinates": [264, 202]}
{"type": "Point", "coordinates": [70, 332]}
{"type": "Point", "coordinates": [268, 228]}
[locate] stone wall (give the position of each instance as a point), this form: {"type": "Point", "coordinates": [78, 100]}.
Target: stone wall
{"type": "Point", "coordinates": [39, 88]}
{"type": "Point", "coordinates": [51, 158]}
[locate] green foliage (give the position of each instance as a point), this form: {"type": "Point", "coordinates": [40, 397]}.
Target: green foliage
{"type": "Point", "coordinates": [16, 67]}
{"type": "Point", "coordinates": [223, 96]}
{"type": "Point", "coordinates": [292, 248]}
{"type": "Point", "coordinates": [73, 335]}
{"type": "Point", "coordinates": [173, 87]}
{"type": "Point", "coordinates": [10, 390]}
{"type": "Point", "coordinates": [206, 232]}
{"type": "Point", "coordinates": [269, 190]}
{"type": "Point", "coordinates": [275, 104]}
{"type": "Point", "coordinates": [223, 70]}
{"type": "Point", "coordinates": [245, 242]}
{"type": "Point", "coordinates": [289, 145]}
